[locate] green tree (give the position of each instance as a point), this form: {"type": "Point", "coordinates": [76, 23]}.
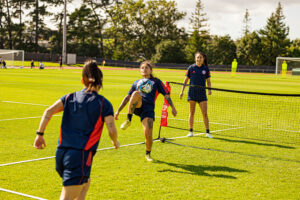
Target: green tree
{"type": "Point", "coordinates": [195, 43]}
{"type": "Point", "coordinates": [139, 26]}
{"type": "Point", "coordinates": [83, 32]}
{"type": "Point", "coordinates": [199, 39]}
{"type": "Point", "coordinates": [246, 22]}
{"type": "Point", "coordinates": [274, 36]}
{"type": "Point", "coordinates": [99, 8]}
{"type": "Point", "coordinates": [294, 49]}
{"type": "Point", "coordinates": [168, 51]}
{"type": "Point", "coordinates": [199, 19]}
{"type": "Point", "coordinates": [249, 49]}
{"type": "Point", "coordinates": [221, 50]}
{"type": "Point", "coordinates": [2, 24]}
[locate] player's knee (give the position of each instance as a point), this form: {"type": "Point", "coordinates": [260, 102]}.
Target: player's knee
{"type": "Point", "coordinates": [136, 95]}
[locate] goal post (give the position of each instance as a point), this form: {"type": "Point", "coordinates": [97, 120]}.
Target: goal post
{"type": "Point", "coordinates": [12, 58]}
{"type": "Point", "coordinates": [293, 62]}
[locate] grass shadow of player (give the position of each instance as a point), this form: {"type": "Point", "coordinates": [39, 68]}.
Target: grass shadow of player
{"type": "Point", "coordinates": [201, 170]}
{"type": "Point", "coordinates": [255, 143]}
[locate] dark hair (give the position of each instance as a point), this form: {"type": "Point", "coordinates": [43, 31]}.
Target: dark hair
{"type": "Point", "coordinates": [151, 65]}
{"type": "Point", "coordinates": [204, 56]}
{"type": "Point", "coordinates": [91, 75]}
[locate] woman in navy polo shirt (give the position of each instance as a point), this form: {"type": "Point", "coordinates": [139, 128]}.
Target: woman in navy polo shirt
{"type": "Point", "coordinates": [143, 104]}
{"type": "Point", "coordinates": [83, 119]}
{"type": "Point", "coordinates": [199, 75]}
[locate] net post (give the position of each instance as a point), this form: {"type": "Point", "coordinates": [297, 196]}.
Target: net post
{"type": "Point", "coordinates": [158, 134]}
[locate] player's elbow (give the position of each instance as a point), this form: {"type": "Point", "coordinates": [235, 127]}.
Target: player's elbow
{"type": "Point", "coordinates": [48, 112]}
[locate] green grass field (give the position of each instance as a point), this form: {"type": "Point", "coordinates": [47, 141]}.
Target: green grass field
{"type": "Point", "coordinates": [233, 168]}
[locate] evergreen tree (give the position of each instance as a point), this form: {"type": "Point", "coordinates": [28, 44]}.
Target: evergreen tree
{"type": "Point", "coordinates": [274, 37]}
{"type": "Point", "coordinates": [294, 49]}
{"type": "Point", "coordinates": [246, 22]}
{"type": "Point", "coordinates": [195, 43]}
{"type": "Point", "coordinates": [199, 19]}
{"type": "Point", "coordinates": [249, 49]}
{"type": "Point", "coordinates": [199, 39]}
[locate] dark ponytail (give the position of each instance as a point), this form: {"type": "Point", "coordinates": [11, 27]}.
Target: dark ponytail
{"type": "Point", "coordinates": [92, 76]}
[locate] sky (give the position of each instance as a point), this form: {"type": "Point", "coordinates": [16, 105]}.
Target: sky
{"type": "Point", "coordinates": [226, 16]}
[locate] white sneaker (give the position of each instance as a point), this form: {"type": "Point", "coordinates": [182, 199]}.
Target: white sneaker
{"type": "Point", "coordinates": [148, 158]}
{"type": "Point", "coordinates": [125, 125]}
{"type": "Point", "coordinates": [209, 135]}
{"type": "Point", "coordinates": [190, 134]}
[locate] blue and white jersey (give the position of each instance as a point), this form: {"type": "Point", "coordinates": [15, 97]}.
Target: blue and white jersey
{"type": "Point", "coordinates": [149, 98]}
{"type": "Point", "coordinates": [197, 76]}
{"type": "Point", "coordinates": [83, 120]}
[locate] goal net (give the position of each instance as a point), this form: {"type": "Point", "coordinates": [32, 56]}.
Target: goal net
{"type": "Point", "coordinates": [292, 63]}
{"type": "Point", "coordinates": [13, 58]}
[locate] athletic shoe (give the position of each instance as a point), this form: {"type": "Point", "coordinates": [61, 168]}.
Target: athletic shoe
{"type": "Point", "coordinates": [209, 135]}
{"type": "Point", "coordinates": [148, 158]}
{"type": "Point", "coordinates": [125, 125]}
{"type": "Point", "coordinates": [190, 134]}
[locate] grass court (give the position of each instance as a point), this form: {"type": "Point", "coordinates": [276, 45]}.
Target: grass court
{"type": "Point", "coordinates": [243, 169]}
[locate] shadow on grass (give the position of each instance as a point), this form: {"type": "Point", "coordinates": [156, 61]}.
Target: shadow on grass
{"type": "Point", "coordinates": [255, 143]}
{"type": "Point", "coordinates": [200, 170]}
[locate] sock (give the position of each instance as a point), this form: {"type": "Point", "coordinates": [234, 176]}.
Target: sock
{"type": "Point", "coordinates": [207, 130]}
{"type": "Point", "coordinates": [191, 130]}
{"type": "Point", "coordinates": [129, 117]}
{"type": "Point", "coordinates": [148, 152]}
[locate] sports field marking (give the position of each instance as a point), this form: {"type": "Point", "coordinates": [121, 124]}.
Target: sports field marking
{"type": "Point", "coordinates": [34, 104]}
{"type": "Point", "coordinates": [21, 194]}
{"type": "Point", "coordinates": [26, 118]}
{"type": "Point", "coordinates": [202, 121]}
{"type": "Point", "coordinates": [45, 158]}
{"type": "Point", "coordinates": [107, 148]}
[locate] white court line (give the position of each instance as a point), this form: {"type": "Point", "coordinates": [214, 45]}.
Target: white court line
{"type": "Point", "coordinates": [126, 145]}
{"type": "Point", "coordinates": [25, 103]}
{"type": "Point", "coordinates": [202, 121]}
{"type": "Point", "coordinates": [21, 194]}
{"type": "Point", "coordinates": [26, 118]}
{"type": "Point", "coordinates": [25, 161]}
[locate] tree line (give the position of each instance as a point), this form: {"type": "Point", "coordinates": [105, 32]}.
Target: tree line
{"type": "Point", "coordinates": [135, 30]}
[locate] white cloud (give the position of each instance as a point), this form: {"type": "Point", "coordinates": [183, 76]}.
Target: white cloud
{"type": "Point", "coordinates": [226, 16]}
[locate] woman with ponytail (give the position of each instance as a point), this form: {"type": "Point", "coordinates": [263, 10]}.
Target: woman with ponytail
{"type": "Point", "coordinates": [142, 102]}
{"type": "Point", "coordinates": [84, 114]}
{"type": "Point", "coordinates": [199, 76]}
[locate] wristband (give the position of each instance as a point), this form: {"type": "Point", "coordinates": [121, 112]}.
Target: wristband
{"type": "Point", "coordinates": [39, 133]}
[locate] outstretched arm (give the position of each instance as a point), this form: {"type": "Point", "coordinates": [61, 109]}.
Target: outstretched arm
{"type": "Point", "coordinates": [111, 127]}
{"type": "Point", "coordinates": [123, 104]}
{"type": "Point", "coordinates": [58, 106]}
{"type": "Point", "coordinates": [182, 89]}
{"type": "Point", "coordinates": [169, 100]}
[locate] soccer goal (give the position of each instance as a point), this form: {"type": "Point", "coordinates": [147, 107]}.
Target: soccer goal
{"type": "Point", "coordinates": [13, 58]}
{"type": "Point", "coordinates": [292, 62]}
